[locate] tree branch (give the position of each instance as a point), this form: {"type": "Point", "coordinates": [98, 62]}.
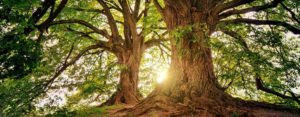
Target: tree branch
{"type": "Point", "coordinates": [260, 86]}
{"type": "Point", "coordinates": [41, 11]}
{"type": "Point", "coordinates": [50, 19]}
{"type": "Point", "coordinates": [89, 10]}
{"type": "Point", "coordinates": [272, 4]}
{"type": "Point", "coordinates": [294, 17]}
{"type": "Point", "coordinates": [102, 32]}
{"type": "Point", "coordinates": [52, 8]}
{"type": "Point", "coordinates": [131, 35]}
{"type": "Point", "coordinates": [154, 42]}
{"type": "Point", "coordinates": [136, 8]}
{"type": "Point", "coordinates": [37, 15]}
{"type": "Point", "coordinates": [111, 20]}
{"type": "Point", "coordinates": [258, 81]}
{"type": "Point", "coordinates": [157, 42]}
{"type": "Point", "coordinates": [83, 34]}
{"type": "Point", "coordinates": [108, 46]}
{"type": "Point", "coordinates": [236, 36]}
{"type": "Point", "coordinates": [232, 4]}
{"type": "Point", "coordinates": [263, 22]}
{"type": "Point", "coordinates": [66, 64]}
{"type": "Point", "coordinates": [69, 54]}
{"type": "Point", "coordinates": [141, 14]}
{"type": "Point", "coordinates": [163, 52]}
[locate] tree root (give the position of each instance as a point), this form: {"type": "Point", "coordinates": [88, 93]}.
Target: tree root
{"type": "Point", "coordinates": [119, 98]}
{"type": "Point", "coordinates": [164, 106]}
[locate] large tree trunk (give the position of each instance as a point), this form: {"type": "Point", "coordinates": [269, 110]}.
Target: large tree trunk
{"type": "Point", "coordinates": [127, 91]}
{"type": "Point", "coordinates": [191, 87]}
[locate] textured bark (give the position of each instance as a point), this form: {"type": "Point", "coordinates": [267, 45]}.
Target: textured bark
{"type": "Point", "coordinates": [127, 92]}
{"type": "Point", "coordinates": [128, 51]}
{"type": "Point", "coordinates": [191, 88]}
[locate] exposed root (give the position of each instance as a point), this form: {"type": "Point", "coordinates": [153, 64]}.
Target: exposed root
{"type": "Point", "coordinates": [121, 98]}
{"type": "Point", "coordinates": [164, 106]}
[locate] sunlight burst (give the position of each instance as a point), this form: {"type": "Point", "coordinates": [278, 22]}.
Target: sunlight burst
{"type": "Point", "coordinates": [161, 75]}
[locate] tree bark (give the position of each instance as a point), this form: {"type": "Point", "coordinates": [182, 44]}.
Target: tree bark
{"type": "Point", "coordinates": [127, 91]}
{"type": "Point", "coordinates": [130, 54]}
{"type": "Point", "coordinates": [191, 87]}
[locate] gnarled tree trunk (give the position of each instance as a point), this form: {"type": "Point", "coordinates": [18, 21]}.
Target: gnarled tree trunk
{"type": "Point", "coordinates": [127, 91]}
{"type": "Point", "coordinates": [191, 87]}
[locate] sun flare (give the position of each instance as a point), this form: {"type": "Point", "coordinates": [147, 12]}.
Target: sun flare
{"type": "Point", "coordinates": [161, 75]}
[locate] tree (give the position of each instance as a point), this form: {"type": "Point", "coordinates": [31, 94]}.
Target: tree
{"type": "Point", "coordinates": [191, 87]}
{"type": "Point", "coordinates": [20, 53]}
{"type": "Point", "coordinates": [124, 39]}
{"type": "Point", "coordinates": [121, 33]}
{"type": "Point", "coordinates": [218, 47]}
{"type": "Point", "coordinates": [22, 26]}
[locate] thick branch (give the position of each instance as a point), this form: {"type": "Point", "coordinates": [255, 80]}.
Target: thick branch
{"type": "Point", "coordinates": [52, 8]}
{"type": "Point", "coordinates": [128, 16]}
{"type": "Point", "coordinates": [111, 21]}
{"type": "Point", "coordinates": [272, 4]}
{"type": "Point", "coordinates": [136, 8]}
{"type": "Point", "coordinates": [130, 22]}
{"type": "Point", "coordinates": [37, 15]}
{"type": "Point", "coordinates": [50, 19]}
{"type": "Point", "coordinates": [263, 22]}
{"type": "Point", "coordinates": [260, 86]}
{"type": "Point", "coordinates": [41, 11]}
{"type": "Point", "coordinates": [102, 32]}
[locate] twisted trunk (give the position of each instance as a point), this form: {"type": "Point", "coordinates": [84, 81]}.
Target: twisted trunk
{"type": "Point", "coordinates": [191, 87]}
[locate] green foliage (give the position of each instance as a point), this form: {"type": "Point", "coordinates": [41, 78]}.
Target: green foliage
{"type": "Point", "coordinates": [17, 95]}
{"type": "Point", "coordinates": [92, 111]}
{"type": "Point", "coordinates": [84, 112]}
{"type": "Point", "coordinates": [181, 32]}
{"type": "Point", "coordinates": [94, 77]}
{"type": "Point", "coordinates": [272, 55]}
{"type": "Point", "coordinates": [63, 112]}
{"type": "Point", "coordinates": [16, 11]}
{"type": "Point", "coordinates": [19, 56]}
{"type": "Point", "coordinates": [187, 32]}
{"type": "Point", "coordinates": [152, 22]}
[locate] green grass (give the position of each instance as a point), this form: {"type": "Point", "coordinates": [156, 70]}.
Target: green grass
{"type": "Point", "coordinates": [85, 112]}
